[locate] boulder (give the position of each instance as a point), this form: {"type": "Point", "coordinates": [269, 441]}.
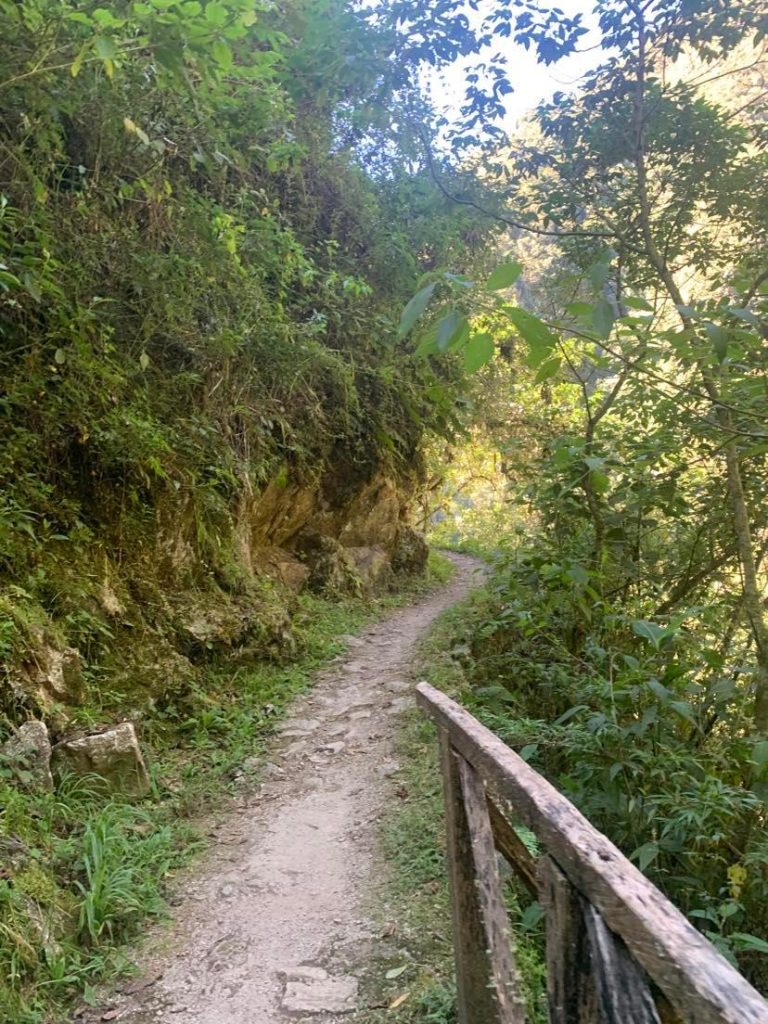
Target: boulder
{"type": "Point", "coordinates": [411, 551]}
{"type": "Point", "coordinates": [29, 754]}
{"type": "Point", "coordinates": [113, 755]}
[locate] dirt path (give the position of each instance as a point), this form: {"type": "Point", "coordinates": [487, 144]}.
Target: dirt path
{"type": "Point", "coordinates": [273, 927]}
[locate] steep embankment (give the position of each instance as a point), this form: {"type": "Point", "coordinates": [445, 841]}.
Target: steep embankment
{"type": "Point", "coordinates": [204, 406]}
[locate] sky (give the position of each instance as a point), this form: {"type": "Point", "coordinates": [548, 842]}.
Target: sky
{"type": "Point", "coordinates": [533, 82]}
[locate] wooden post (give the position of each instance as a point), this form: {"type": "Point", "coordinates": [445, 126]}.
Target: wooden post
{"type": "Point", "coordinates": [486, 979]}
{"type": "Point", "coordinates": [570, 987]}
{"type": "Point", "coordinates": [623, 992]}
{"type": "Point", "coordinates": [513, 849]}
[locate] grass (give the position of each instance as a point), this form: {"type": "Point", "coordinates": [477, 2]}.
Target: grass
{"type": "Point", "coordinates": [85, 873]}
{"type": "Point", "coordinates": [412, 901]}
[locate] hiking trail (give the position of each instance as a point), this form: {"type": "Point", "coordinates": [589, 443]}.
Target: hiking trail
{"type": "Point", "coordinates": [272, 926]}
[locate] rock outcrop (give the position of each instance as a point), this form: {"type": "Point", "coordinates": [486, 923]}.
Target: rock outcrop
{"type": "Point", "coordinates": [51, 671]}
{"type": "Point", "coordinates": [112, 757]}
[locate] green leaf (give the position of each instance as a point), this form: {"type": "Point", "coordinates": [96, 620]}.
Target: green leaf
{"type": "Point", "coordinates": [650, 631]}
{"type": "Point", "coordinates": [414, 310]}
{"type": "Point", "coordinates": [600, 481]}
{"type": "Point", "coordinates": [719, 338]}
{"type": "Point", "coordinates": [645, 855]}
{"type": "Point", "coordinates": [451, 330]}
{"type": "Point", "coordinates": [216, 14]}
{"type": "Point", "coordinates": [77, 63]}
{"type": "Point", "coordinates": [222, 54]}
{"type": "Point", "coordinates": [683, 708]}
{"type": "Point", "coordinates": [504, 276]}
{"type": "Point", "coordinates": [599, 274]}
{"type": "Point", "coordinates": [602, 318]}
{"type": "Point", "coordinates": [745, 941]}
{"type": "Point", "coordinates": [633, 302]}
{"type": "Point", "coordinates": [540, 339]}
{"type": "Point", "coordinates": [760, 753]}
{"type": "Point", "coordinates": [744, 314]}
{"type": "Point", "coordinates": [478, 352]}
{"type": "Point", "coordinates": [143, 360]}
{"type": "Point", "coordinates": [548, 369]}
{"type": "Point", "coordinates": [60, 356]}
{"type": "Point", "coordinates": [105, 48]}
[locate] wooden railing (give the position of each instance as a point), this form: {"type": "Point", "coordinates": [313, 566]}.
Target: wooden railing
{"type": "Point", "coordinates": [617, 951]}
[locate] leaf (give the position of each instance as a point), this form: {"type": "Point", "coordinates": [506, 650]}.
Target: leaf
{"type": "Point", "coordinates": [599, 274]}
{"type": "Point", "coordinates": [143, 360]}
{"type": "Point", "coordinates": [504, 276]}
{"type": "Point", "coordinates": [60, 356]}
{"type": "Point", "coordinates": [216, 14]}
{"type": "Point", "coordinates": [600, 481]}
{"type": "Point", "coordinates": [451, 330]}
{"type": "Point", "coordinates": [395, 972]}
{"type": "Point", "coordinates": [222, 54]}
{"type": "Point", "coordinates": [570, 713]}
{"type": "Point", "coordinates": [683, 708]}
{"type": "Point", "coordinates": [415, 309]}
{"type": "Point", "coordinates": [744, 314]}
{"type": "Point", "coordinates": [105, 48]}
{"type": "Point", "coordinates": [540, 339]}
{"type": "Point", "coordinates": [478, 352]}
{"type": "Point", "coordinates": [529, 750]}
{"type": "Point", "coordinates": [548, 369]}
{"type": "Point", "coordinates": [77, 63]}
{"type": "Point", "coordinates": [760, 753]}
{"type": "Point", "coordinates": [603, 317]}
{"type": "Point", "coordinates": [650, 631]}
{"type": "Point", "coordinates": [719, 338]}
{"type": "Point", "coordinates": [645, 855]}
{"type": "Point", "coordinates": [398, 1002]}
{"type": "Point", "coordinates": [634, 302]}
{"type": "Point", "coordinates": [745, 941]}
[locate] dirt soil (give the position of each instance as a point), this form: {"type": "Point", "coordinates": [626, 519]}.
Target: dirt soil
{"type": "Point", "coordinates": [274, 925]}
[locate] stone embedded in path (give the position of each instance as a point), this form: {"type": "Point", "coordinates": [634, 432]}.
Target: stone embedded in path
{"type": "Point", "coordinates": [300, 727]}
{"type": "Point", "coordinates": [313, 990]}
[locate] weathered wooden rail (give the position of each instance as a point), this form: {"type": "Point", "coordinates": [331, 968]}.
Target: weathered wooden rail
{"type": "Point", "coordinates": [618, 952]}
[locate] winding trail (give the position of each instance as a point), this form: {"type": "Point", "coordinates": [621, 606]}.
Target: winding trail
{"type": "Point", "coordinates": [273, 927]}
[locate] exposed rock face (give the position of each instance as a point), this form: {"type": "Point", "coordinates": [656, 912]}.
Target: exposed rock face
{"type": "Point", "coordinates": [372, 566]}
{"type": "Point", "coordinates": [331, 566]}
{"type": "Point", "coordinates": [114, 756]}
{"type": "Point", "coordinates": [29, 753]}
{"type": "Point", "coordinates": [174, 603]}
{"type": "Point", "coordinates": [283, 566]}
{"type": "Point", "coordinates": [54, 672]}
{"type": "Point", "coordinates": [411, 551]}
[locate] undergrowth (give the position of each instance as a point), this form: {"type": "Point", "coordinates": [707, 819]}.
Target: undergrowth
{"type": "Point", "coordinates": [83, 874]}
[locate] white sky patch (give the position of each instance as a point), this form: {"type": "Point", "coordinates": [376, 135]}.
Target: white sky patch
{"type": "Point", "coordinates": [532, 82]}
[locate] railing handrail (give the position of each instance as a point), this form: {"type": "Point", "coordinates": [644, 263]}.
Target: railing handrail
{"type": "Point", "coordinates": [696, 979]}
